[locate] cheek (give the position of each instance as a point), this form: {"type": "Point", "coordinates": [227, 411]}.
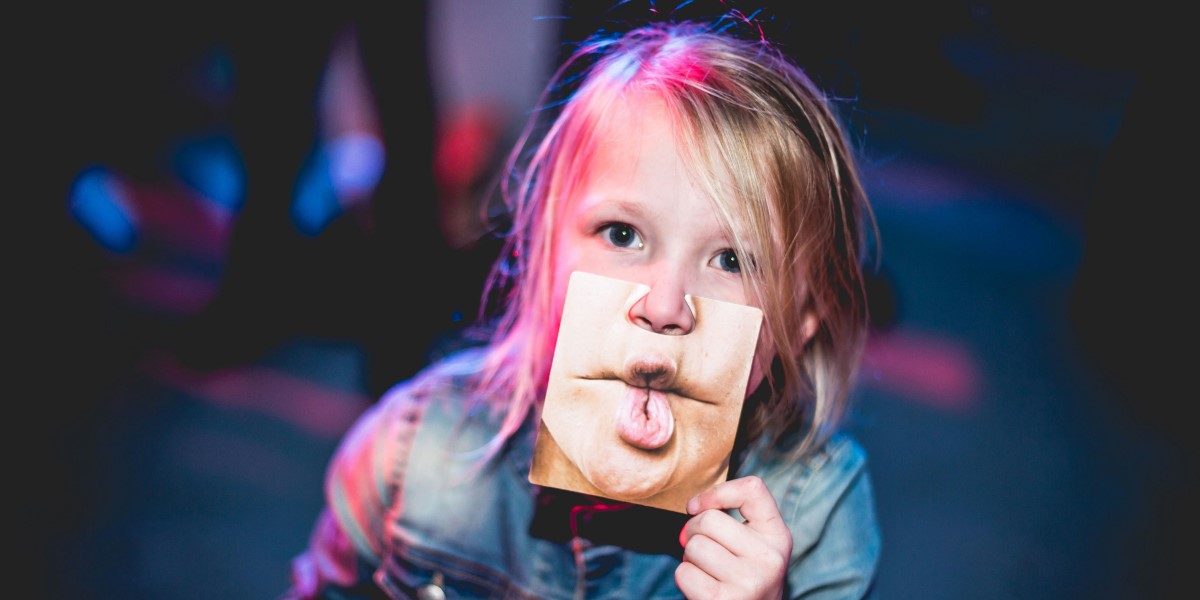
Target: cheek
{"type": "Point", "coordinates": [564, 260]}
{"type": "Point", "coordinates": [756, 378]}
{"type": "Point", "coordinates": [575, 252]}
{"type": "Point", "coordinates": [762, 362]}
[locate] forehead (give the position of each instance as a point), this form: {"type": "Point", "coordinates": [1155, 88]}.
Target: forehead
{"type": "Point", "coordinates": [642, 145]}
{"type": "Point", "coordinates": [636, 135]}
{"type": "Point", "coordinates": [637, 138]}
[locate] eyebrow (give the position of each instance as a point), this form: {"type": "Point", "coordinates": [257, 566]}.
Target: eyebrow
{"type": "Point", "coordinates": [619, 204]}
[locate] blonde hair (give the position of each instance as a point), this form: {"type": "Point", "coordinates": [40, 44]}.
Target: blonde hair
{"type": "Point", "coordinates": [772, 155]}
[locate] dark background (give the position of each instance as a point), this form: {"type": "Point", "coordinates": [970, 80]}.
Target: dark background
{"type": "Point", "coordinates": [181, 388]}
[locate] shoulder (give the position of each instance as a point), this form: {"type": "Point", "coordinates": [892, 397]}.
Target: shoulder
{"type": "Point", "coordinates": [809, 490]}
{"type": "Point", "coordinates": [828, 503]}
{"type": "Point", "coordinates": [371, 460]}
{"type": "Point", "coordinates": [833, 465]}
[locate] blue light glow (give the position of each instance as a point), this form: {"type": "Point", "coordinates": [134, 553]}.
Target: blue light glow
{"type": "Point", "coordinates": [212, 167]}
{"type": "Point", "coordinates": [314, 203]}
{"type": "Point", "coordinates": [101, 205]}
{"type": "Point", "coordinates": [355, 163]}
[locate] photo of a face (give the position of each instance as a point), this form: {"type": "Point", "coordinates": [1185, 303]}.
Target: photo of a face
{"type": "Point", "coordinates": [637, 416]}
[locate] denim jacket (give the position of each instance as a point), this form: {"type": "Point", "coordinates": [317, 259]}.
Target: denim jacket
{"type": "Point", "coordinates": [412, 514]}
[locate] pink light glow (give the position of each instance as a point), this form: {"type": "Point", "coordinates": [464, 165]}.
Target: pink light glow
{"type": "Point", "coordinates": [184, 220]}
{"type": "Point", "coordinates": [318, 409]}
{"type": "Point", "coordinates": [936, 371]}
{"type": "Point", "coordinates": [163, 288]}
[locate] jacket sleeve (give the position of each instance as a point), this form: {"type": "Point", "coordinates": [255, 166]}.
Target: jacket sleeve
{"type": "Point", "coordinates": [347, 540]}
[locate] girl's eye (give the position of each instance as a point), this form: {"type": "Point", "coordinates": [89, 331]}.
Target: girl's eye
{"type": "Point", "coordinates": [623, 235]}
{"type": "Point", "coordinates": [728, 261]}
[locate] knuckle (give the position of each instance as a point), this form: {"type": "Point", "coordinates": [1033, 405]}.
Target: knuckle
{"type": "Point", "coordinates": [704, 520]}
{"type": "Point", "coordinates": [755, 484]}
{"type": "Point", "coordinates": [699, 544]}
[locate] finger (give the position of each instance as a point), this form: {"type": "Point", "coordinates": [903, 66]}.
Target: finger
{"type": "Point", "coordinates": [750, 496]}
{"type": "Point", "coordinates": [694, 582]}
{"type": "Point", "coordinates": [713, 558]}
{"type": "Point", "coordinates": [737, 537]}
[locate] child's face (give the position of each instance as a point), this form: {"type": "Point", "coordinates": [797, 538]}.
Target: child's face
{"type": "Point", "coordinates": [636, 217]}
{"type": "Point", "coordinates": [639, 218]}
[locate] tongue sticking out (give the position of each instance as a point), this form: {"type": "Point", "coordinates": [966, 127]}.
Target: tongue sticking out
{"type": "Point", "coordinates": [644, 418]}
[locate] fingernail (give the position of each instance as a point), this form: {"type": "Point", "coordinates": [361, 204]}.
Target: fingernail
{"type": "Point", "coordinates": [693, 505]}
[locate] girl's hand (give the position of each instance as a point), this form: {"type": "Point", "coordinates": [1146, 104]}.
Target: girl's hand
{"type": "Point", "coordinates": [724, 558]}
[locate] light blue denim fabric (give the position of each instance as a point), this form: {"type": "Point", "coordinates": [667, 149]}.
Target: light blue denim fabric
{"type": "Point", "coordinates": [462, 533]}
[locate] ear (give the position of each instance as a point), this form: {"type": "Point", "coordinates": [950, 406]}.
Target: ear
{"type": "Point", "coordinates": [809, 324]}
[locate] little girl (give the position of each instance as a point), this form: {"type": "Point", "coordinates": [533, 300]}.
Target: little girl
{"type": "Point", "coordinates": [694, 163]}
